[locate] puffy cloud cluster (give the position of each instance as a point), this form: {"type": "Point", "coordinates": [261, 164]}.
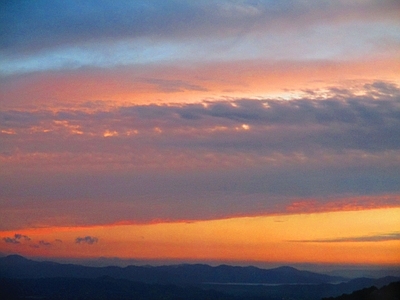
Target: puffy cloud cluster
{"type": "Point", "coordinates": [25, 241]}
{"type": "Point", "coordinates": [17, 239]}
{"type": "Point", "coordinates": [90, 240]}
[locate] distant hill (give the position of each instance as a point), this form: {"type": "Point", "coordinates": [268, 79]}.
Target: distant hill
{"type": "Point", "coordinates": [15, 266]}
{"type": "Point", "coordinates": [388, 292]}
{"type": "Point", "coordinates": [370, 273]}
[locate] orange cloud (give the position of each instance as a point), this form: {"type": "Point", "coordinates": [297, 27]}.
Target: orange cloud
{"type": "Point", "coordinates": [172, 84]}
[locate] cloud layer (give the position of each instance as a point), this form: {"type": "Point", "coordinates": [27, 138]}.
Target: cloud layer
{"type": "Point", "coordinates": [77, 22]}
{"type": "Point", "coordinates": [343, 120]}
{"type": "Point", "coordinates": [53, 35]}
{"type": "Point", "coordinates": [141, 163]}
{"type": "Point", "coordinates": [152, 110]}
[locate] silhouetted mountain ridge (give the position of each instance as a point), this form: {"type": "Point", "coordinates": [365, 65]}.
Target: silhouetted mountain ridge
{"type": "Point", "coordinates": [387, 292]}
{"type": "Point", "coordinates": [15, 266]}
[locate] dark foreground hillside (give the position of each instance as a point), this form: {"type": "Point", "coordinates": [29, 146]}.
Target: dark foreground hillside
{"type": "Point", "coordinates": [104, 289]}
{"type": "Point", "coordinates": [122, 289]}
{"type": "Point", "coordinates": [388, 292]}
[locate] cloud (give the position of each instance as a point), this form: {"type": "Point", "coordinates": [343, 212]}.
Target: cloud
{"type": "Point", "coordinates": [54, 23]}
{"type": "Point", "coordinates": [366, 119]}
{"type": "Point", "coordinates": [55, 35]}
{"type": "Point", "coordinates": [172, 86]}
{"type": "Point", "coordinates": [203, 160]}
{"type": "Point", "coordinates": [393, 236]}
{"type": "Point", "coordinates": [379, 88]}
{"type": "Point", "coordinates": [343, 204]}
{"type": "Point", "coordinates": [11, 240]}
{"type": "Point", "coordinates": [44, 243]}
{"type": "Point", "coordinates": [86, 240]}
{"type": "Point", "coordinates": [17, 239]}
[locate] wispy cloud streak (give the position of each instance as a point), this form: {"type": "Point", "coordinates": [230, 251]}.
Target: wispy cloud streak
{"type": "Point", "coordinates": [393, 236]}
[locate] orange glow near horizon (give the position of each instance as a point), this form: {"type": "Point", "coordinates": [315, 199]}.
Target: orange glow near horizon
{"type": "Point", "coordinates": [310, 238]}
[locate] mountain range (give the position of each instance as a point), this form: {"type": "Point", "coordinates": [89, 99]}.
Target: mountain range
{"type": "Point", "coordinates": [22, 278]}
{"type": "Point", "coordinates": [15, 266]}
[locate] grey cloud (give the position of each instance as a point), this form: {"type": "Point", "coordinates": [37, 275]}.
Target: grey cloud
{"type": "Point", "coordinates": [394, 236]}
{"type": "Point", "coordinates": [195, 195]}
{"type": "Point", "coordinates": [11, 240]}
{"type": "Point", "coordinates": [33, 25]}
{"type": "Point", "coordinates": [17, 239]}
{"type": "Point", "coordinates": [51, 23]}
{"type": "Point", "coordinates": [22, 237]}
{"type": "Point", "coordinates": [20, 119]}
{"type": "Point", "coordinates": [86, 240]}
{"type": "Point", "coordinates": [44, 243]}
{"type": "Point", "coordinates": [379, 88]}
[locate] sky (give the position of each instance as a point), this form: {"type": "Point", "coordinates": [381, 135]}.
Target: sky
{"type": "Point", "coordinates": [232, 130]}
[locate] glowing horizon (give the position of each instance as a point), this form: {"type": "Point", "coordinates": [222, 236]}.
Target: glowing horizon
{"type": "Point", "coordinates": [264, 239]}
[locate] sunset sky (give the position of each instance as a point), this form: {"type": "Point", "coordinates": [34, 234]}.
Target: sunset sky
{"type": "Point", "coordinates": [232, 130]}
